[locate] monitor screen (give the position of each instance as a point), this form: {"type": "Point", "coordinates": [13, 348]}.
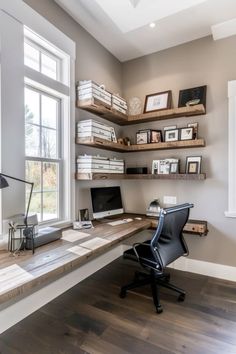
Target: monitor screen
{"type": "Point", "coordinates": [106, 201]}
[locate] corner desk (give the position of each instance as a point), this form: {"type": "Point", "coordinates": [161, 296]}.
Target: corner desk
{"type": "Point", "coordinates": [27, 282]}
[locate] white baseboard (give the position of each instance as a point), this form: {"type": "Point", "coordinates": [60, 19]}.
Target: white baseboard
{"type": "Point", "coordinates": [205, 268]}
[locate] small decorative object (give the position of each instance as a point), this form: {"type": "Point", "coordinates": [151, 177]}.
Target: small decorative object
{"type": "Point", "coordinates": [154, 208]}
{"type": "Point", "coordinates": [193, 164]}
{"type": "Point", "coordinates": [155, 167]}
{"type": "Point", "coordinates": [126, 141]}
{"type": "Point", "coordinates": [142, 138]}
{"type": "Point", "coordinates": [83, 215]}
{"type": "Point", "coordinates": [174, 167]}
{"type": "Point", "coordinates": [156, 136]}
{"type": "Point", "coordinates": [192, 96]}
{"type": "Point", "coordinates": [120, 141]}
{"type": "Point", "coordinates": [171, 135]}
{"type": "Point", "coordinates": [135, 106]}
{"type": "Point", "coordinates": [195, 129]}
{"type": "Point", "coordinates": [157, 101]}
{"type": "Point", "coordinates": [186, 133]}
{"type": "Point", "coordinates": [170, 127]}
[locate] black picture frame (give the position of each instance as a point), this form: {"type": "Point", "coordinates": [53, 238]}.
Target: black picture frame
{"type": "Point", "coordinates": [193, 167]}
{"type": "Point", "coordinates": [190, 159]}
{"type": "Point", "coordinates": [171, 135]}
{"type": "Point", "coordinates": [156, 136]}
{"type": "Point", "coordinates": [188, 97]}
{"type": "Point", "coordinates": [186, 130]}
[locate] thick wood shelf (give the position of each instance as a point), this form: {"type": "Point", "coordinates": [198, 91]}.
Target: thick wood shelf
{"type": "Point", "coordinates": [106, 145]}
{"type": "Point", "coordinates": [191, 227]}
{"type": "Point", "coordinates": [112, 115]}
{"type": "Point", "coordinates": [105, 176]}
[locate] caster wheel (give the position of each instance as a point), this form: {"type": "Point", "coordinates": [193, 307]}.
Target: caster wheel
{"type": "Point", "coordinates": [181, 297]}
{"type": "Point", "coordinates": [159, 309]}
{"type": "Point", "coordinates": [122, 294]}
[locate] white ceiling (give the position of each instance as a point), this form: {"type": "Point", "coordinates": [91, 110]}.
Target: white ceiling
{"type": "Point", "coordinates": [122, 26]}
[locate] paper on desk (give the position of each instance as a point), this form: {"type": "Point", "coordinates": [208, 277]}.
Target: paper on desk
{"type": "Point", "coordinates": [96, 242]}
{"type": "Point", "coordinates": [13, 275]}
{"type": "Point", "coordinates": [72, 235]}
{"type": "Point", "coordinates": [80, 251]}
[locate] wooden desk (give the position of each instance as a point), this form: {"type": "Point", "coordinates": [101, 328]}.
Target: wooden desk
{"type": "Point", "coordinates": [58, 266]}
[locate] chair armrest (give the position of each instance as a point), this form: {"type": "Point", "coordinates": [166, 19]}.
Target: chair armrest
{"type": "Point", "coordinates": [138, 244]}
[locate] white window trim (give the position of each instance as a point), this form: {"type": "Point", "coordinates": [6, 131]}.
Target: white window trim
{"type": "Point", "coordinates": [231, 212]}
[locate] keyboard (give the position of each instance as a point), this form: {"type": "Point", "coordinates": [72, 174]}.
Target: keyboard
{"type": "Point", "coordinates": [119, 222]}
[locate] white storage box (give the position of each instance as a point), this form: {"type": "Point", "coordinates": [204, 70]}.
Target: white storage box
{"type": "Point", "coordinates": [99, 164]}
{"type": "Point", "coordinates": [87, 164]}
{"type": "Point", "coordinates": [89, 128]}
{"type": "Point", "coordinates": [117, 166]}
{"type": "Point", "coordinates": [89, 89]}
{"type": "Point", "coordinates": [119, 104]}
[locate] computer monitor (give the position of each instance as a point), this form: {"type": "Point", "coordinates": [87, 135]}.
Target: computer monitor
{"type": "Point", "coordinates": [106, 201]}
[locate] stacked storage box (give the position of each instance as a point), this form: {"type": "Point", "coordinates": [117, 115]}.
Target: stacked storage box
{"type": "Point", "coordinates": [119, 104]}
{"type": "Point", "coordinates": [90, 128]}
{"type": "Point", "coordinates": [99, 164]}
{"type": "Point", "coordinates": [88, 89]}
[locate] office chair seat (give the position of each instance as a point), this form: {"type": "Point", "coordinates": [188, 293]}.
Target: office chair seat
{"type": "Point", "coordinates": [166, 245]}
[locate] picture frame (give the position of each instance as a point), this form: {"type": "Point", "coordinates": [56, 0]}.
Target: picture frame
{"type": "Point", "coordinates": [141, 138]}
{"type": "Point", "coordinates": [195, 129]}
{"type": "Point", "coordinates": [158, 101]}
{"type": "Point", "coordinates": [155, 167]}
{"type": "Point", "coordinates": [192, 96]}
{"type": "Point", "coordinates": [174, 167]}
{"type": "Point", "coordinates": [171, 135]}
{"type": "Point", "coordinates": [156, 136]}
{"type": "Point", "coordinates": [190, 159]}
{"type": "Point", "coordinates": [193, 167]}
{"type": "Point", "coordinates": [170, 127]}
{"type": "Point", "coordinates": [186, 133]}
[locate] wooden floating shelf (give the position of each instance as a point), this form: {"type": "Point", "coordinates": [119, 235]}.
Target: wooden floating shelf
{"type": "Point", "coordinates": [105, 176]}
{"type": "Point", "coordinates": [192, 227]}
{"type": "Point", "coordinates": [94, 106]}
{"type": "Point", "coordinates": [107, 145]}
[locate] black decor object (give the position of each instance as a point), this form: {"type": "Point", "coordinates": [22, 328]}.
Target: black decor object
{"type": "Point", "coordinates": [192, 96]}
{"type": "Point", "coordinates": [136, 170]}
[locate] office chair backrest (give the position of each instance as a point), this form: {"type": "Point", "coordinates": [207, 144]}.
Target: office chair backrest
{"type": "Point", "coordinates": [168, 243]}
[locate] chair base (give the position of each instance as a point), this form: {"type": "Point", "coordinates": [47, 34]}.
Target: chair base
{"type": "Point", "coordinates": [155, 281]}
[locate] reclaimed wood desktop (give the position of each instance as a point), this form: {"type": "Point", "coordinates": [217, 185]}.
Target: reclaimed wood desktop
{"type": "Point", "coordinates": [57, 263]}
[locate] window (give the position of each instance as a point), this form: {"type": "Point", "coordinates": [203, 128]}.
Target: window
{"type": "Point", "coordinates": [42, 60]}
{"type": "Point", "coordinates": [43, 155]}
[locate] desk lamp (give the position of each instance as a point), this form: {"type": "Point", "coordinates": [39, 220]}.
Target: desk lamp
{"type": "Point", "coordinates": [4, 184]}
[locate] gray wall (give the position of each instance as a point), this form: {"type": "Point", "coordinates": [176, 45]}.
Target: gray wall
{"type": "Point", "coordinates": [197, 63]}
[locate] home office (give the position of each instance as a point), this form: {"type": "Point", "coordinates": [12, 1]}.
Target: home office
{"type": "Point", "coordinates": [58, 45]}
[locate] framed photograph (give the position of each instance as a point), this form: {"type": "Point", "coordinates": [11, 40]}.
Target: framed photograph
{"type": "Point", "coordinates": [193, 160]}
{"type": "Point", "coordinates": [170, 127]}
{"type": "Point", "coordinates": [174, 167]}
{"type": "Point", "coordinates": [171, 135]}
{"type": "Point", "coordinates": [155, 167]}
{"type": "Point", "coordinates": [192, 96]}
{"type": "Point", "coordinates": [193, 167]}
{"type": "Point", "coordinates": [195, 129]}
{"type": "Point", "coordinates": [186, 133]}
{"type": "Point", "coordinates": [156, 136]}
{"type": "Point", "coordinates": [148, 132]}
{"type": "Point", "coordinates": [142, 138]}
{"type": "Point", "coordinates": [164, 167]}
{"type": "Point", "coordinates": [157, 101]}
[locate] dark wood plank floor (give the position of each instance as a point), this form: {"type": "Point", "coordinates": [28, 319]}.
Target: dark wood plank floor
{"type": "Point", "coordinates": [91, 318]}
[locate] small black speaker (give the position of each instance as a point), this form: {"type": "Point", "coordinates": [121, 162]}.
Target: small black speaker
{"type": "Point", "coordinates": [136, 170]}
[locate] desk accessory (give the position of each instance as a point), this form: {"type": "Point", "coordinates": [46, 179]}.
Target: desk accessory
{"type": "Point", "coordinates": [154, 208]}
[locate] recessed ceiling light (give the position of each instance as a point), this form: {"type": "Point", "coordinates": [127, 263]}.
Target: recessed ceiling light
{"type": "Point", "coordinates": [152, 24]}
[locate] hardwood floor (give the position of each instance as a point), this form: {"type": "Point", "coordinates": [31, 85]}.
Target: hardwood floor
{"type": "Point", "coordinates": [91, 318]}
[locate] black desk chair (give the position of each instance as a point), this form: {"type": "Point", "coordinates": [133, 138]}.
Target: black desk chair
{"type": "Point", "coordinates": [167, 244]}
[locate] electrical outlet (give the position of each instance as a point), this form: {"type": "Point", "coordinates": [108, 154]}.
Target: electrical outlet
{"type": "Point", "coordinates": [169, 200]}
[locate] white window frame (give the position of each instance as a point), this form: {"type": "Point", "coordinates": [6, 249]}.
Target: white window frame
{"type": "Point", "coordinates": [57, 160]}
{"type": "Point", "coordinates": [231, 212]}
{"type": "Point", "coordinates": [42, 50]}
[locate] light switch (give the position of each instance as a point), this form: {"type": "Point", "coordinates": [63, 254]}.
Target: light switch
{"type": "Point", "coordinates": [169, 200]}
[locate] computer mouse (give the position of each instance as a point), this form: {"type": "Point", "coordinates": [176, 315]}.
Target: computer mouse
{"type": "Point", "coordinates": [138, 218]}
{"type": "Point", "coordinates": [128, 220]}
